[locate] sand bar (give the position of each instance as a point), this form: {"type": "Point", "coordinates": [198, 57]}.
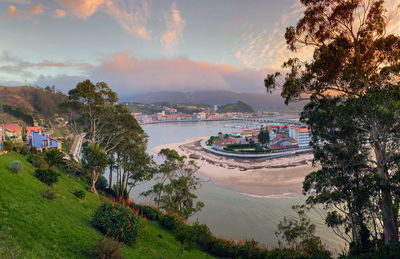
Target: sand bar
{"type": "Point", "coordinates": [280, 177]}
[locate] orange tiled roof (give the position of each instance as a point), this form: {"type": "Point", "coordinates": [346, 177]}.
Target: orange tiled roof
{"type": "Point", "coordinates": [13, 128]}
{"type": "Point", "coordinates": [34, 129]}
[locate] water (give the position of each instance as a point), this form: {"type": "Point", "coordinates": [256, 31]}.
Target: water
{"type": "Point", "coordinates": [227, 212]}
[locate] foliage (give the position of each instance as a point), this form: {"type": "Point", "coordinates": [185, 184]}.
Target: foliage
{"type": "Point", "coordinates": [212, 139]}
{"type": "Point", "coordinates": [49, 194]}
{"type": "Point", "coordinates": [177, 181]}
{"type": "Point", "coordinates": [352, 81]}
{"type": "Point", "coordinates": [54, 157]}
{"type": "Point", "coordinates": [101, 183]}
{"type": "Point", "coordinates": [236, 107]}
{"type": "Point", "coordinates": [94, 160]}
{"type": "Point", "coordinates": [37, 160]}
{"type": "Point", "coordinates": [24, 150]}
{"type": "Point", "coordinates": [106, 248]}
{"type": "Point", "coordinates": [16, 166]}
{"type": "Point", "coordinates": [18, 113]}
{"type": "Point", "coordinates": [299, 230]}
{"type": "Point", "coordinates": [118, 222]}
{"type": "Point", "coordinates": [7, 146]}
{"type": "Point", "coordinates": [263, 136]}
{"type": "Point", "coordinates": [80, 194]}
{"type": "Point", "coordinates": [46, 176]}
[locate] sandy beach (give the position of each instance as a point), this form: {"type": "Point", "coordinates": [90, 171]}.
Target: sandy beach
{"type": "Point", "coordinates": [281, 177]}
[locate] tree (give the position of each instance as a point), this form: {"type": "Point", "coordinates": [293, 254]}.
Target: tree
{"type": "Point", "coordinates": [177, 181]}
{"type": "Point", "coordinates": [357, 59]}
{"type": "Point", "coordinates": [54, 157]}
{"type": "Point", "coordinates": [297, 230]}
{"type": "Point", "coordinates": [263, 136]}
{"type": "Point", "coordinates": [94, 159]}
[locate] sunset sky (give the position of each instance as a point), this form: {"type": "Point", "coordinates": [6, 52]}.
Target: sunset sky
{"type": "Point", "coordinates": [144, 45]}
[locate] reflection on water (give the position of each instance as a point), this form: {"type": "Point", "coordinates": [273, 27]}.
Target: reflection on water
{"type": "Point", "coordinates": [229, 213]}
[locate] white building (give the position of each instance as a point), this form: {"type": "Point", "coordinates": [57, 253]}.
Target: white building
{"type": "Point", "coordinates": [301, 135]}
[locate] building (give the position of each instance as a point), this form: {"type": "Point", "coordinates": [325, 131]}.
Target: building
{"type": "Point", "coordinates": [36, 129]}
{"type": "Point", "coordinates": [42, 141]}
{"type": "Point", "coordinates": [13, 131]}
{"type": "Point", "coordinates": [220, 145]}
{"type": "Point", "coordinates": [301, 135]}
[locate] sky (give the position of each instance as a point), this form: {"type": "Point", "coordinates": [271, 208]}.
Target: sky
{"type": "Point", "coordinates": [145, 45]}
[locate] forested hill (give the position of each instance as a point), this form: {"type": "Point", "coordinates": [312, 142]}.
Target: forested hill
{"type": "Point", "coordinates": [35, 100]}
{"type": "Point", "coordinates": [235, 107]}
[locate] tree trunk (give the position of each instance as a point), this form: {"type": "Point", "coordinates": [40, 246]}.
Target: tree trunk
{"type": "Point", "coordinates": [95, 176]}
{"type": "Point", "coordinates": [110, 178]}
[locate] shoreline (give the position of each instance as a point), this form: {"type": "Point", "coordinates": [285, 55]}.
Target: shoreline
{"type": "Point", "coordinates": [271, 178]}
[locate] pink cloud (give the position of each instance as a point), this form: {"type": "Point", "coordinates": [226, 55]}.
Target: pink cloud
{"type": "Point", "coordinates": [132, 16]}
{"type": "Point", "coordinates": [127, 73]}
{"type": "Point", "coordinates": [24, 14]}
{"type": "Point", "coordinates": [81, 8]}
{"type": "Point", "coordinates": [58, 13]}
{"type": "Point", "coordinates": [175, 26]}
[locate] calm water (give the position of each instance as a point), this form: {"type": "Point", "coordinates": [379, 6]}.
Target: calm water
{"type": "Point", "coordinates": [226, 212]}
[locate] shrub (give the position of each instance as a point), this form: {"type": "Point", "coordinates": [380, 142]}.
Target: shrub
{"type": "Point", "coordinates": [203, 234]}
{"type": "Point", "coordinates": [37, 161]}
{"type": "Point", "coordinates": [118, 222]}
{"type": "Point", "coordinates": [149, 212]}
{"type": "Point", "coordinates": [171, 222]}
{"type": "Point", "coordinates": [24, 150]}
{"type": "Point", "coordinates": [48, 176]}
{"type": "Point", "coordinates": [49, 194]}
{"type": "Point", "coordinates": [80, 194]}
{"type": "Point", "coordinates": [7, 146]}
{"type": "Point", "coordinates": [106, 248]}
{"type": "Point", "coordinates": [16, 166]}
{"type": "Point", "coordinates": [101, 184]}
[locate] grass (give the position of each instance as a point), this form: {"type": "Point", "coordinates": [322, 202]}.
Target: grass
{"type": "Point", "coordinates": [32, 226]}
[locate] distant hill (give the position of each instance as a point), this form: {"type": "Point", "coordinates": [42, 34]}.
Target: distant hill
{"type": "Point", "coordinates": [259, 101]}
{"type": "Point", "coordinates": [235, 107]}
{"type": "Point", "coordinates": [35, 100]}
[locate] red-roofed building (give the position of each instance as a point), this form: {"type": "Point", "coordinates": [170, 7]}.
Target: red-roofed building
{"type": "Point", "coordinates": [13, 131]}
{"type": "Point", "coordinates": [301, 135]}
{"type": "Point", "coordinates": [36, 129]}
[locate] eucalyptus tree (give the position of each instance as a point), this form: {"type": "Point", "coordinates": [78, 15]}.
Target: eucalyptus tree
{"type": "Point", "coordinates": [94, 159]}
{"type": "Point", "coordinates": [357, 59]}
{"type": "Point", "coordinates": [176, 184]}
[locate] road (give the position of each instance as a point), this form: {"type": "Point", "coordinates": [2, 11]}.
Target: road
{"type": "Point", "coordinates": [77, 146]}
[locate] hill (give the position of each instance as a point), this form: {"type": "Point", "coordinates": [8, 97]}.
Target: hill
{"type": "Point", "coordinates": [259, 101]}
{"type": "Point", "coordinates": [34, 227]}
{"type": "Point", "coordinates": [34, 100]}
{"type": "Point", "coordinates": [236, 107]}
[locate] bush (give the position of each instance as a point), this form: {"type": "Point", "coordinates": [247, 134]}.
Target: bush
{"type": "Point", "coordinates": [106, 248]}
{"type": "Point", "coordinates": [171, 222]}
{"type": "Point", "coordinates": [48, 176]}
{"type": "Point", "coordinates": [149, 212]}
{"type": "Point", "coordinates": [49, 194]}
{"type": "Point", "coordinates": [7, 146]}
{"type": "Point", "coordinates": [16, 166]}
{"type": "Point", "coordinates": [80, 194]}
{"type": "Point", "coordinates": [37, 161]}
{"type": "Point", "coordinates": [118, 222]}
{"type": "Point", "coordinates": [101, 184]}
{"type": "Point", "coordinates": [24, 150]}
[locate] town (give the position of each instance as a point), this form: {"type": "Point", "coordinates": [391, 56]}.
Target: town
{"type": "Point", "coordinates": [270, 138]}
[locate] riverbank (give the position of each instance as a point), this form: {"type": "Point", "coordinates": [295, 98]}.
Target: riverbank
{"type": "Point", "coordinates": [280, 177]}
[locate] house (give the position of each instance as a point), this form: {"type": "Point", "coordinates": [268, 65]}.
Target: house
{"type": "Point", "coordinates": [42, 141]}
{"type": "Point", "coordinates": [220, 145]}
{"type": "Point", "coordinates": [36, 129]}
{"type": "Point", "coordinates": [13, 131]}
{"type": "Point", "coordinates": [284, 143]}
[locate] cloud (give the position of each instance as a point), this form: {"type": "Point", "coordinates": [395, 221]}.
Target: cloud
{"type": "Point", "coordinates": [175, 26]}
{"type": "Point", "coordinates": [62, 82]}
{"type": "Point", "coordinates": [13, 12]}
{"type": "Point", "coordinates": [132, 16]}
{"type": "Point", "coordinates": [15, 2]}
{"type": "Point", "coordinates": [127, 74]}
{"type": "Point", "coordinates": [16, 66]}
{"type": "Point", "coordinates": [81, 8]}
{"type": "Point", "coordinates": [58, 13]}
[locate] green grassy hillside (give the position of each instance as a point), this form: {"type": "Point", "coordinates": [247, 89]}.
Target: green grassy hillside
{"type": "Point", "coordinates": [235, 107]}
{"type": "Point", "coordinates": [34, 227]}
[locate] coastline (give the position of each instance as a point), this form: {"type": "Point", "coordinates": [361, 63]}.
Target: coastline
{"type": "Point", "coordinates": [277, 177]}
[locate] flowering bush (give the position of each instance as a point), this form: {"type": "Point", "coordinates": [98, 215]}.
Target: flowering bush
{"type": "Point", "coordinates": [119, 222]}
